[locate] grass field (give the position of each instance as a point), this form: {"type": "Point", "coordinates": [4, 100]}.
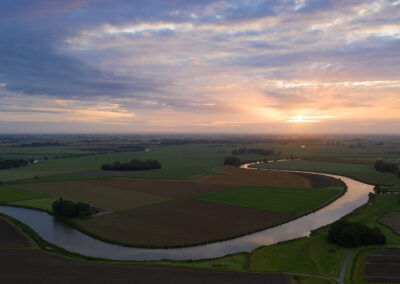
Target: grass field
{"type": "Point", "coordinates": [9, 194]}
{"type": "Point", "coordinates": [42, 203]}
{"type": "Point", "coordinates": [365, 173]}
{"type": "Point", "coordinates": [185, 161]}
{"type": "Point", "coordinates": [372, 215]}
{"type": "Point", "coordinates": [313, 255]}
{"type": "Point", "coordinates": [100, 196]}
{"type": "Point", "coordinates": [293, 201]}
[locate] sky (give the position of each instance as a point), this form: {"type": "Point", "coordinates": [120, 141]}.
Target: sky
{"type": "Point", "coordinates": [248, 66]}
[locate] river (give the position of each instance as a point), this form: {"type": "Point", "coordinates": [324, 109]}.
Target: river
{"type": "Point", "coordinates": [62, 235]}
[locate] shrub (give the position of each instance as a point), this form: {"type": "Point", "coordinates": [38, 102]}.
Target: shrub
{"type": "Point", "coordinates": [66, 208]}
{"type": "Point", "coordinates": [349, 234]}
{"type": "Point", "coordinates": [232, 161]}
{"type": "Point", "coordinates": [134, 165]}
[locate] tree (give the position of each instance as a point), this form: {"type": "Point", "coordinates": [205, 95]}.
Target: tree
{"type": "Point", "coordinates": [377, 189]}
{"type": "Point", "coordinates": [349, 234]}
{"type": "Point", "coordinates": [232, 161]}
{"type": "Point", "coordinates": [66, 208]}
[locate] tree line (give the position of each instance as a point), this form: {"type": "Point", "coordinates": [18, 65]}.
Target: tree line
{"type": "Point", "coordinates": [258, 151]}
{"type": "Point", "coordinates": [134, 165]}
{"type": "Point", "coordinates": [348, 234]}
{"type": "Point", "coordinates": [382, 166]}
{"type": "Point", "coordinates": [68, 209]}
{"type": "Point", "coordinates": [13, 163]}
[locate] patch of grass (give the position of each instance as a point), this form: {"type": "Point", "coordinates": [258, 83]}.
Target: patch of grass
{"type": "Point", "coordinates": [9, 194]}
{"type": "Point", "coordinates": [183, 161]}
{"type": "Point", "coordinates": [371, 215]}
{"type": "Point", "coordinates": [97, 195]}
{"type": "Point", "coordinates": [58, 178]}
{"type": "Point", "coordinates": [313, 255]}
{"type": "Point", "coordinates": [292, 201]}
{"type": "Point", "coordinates": [42, 204]}
{"type": "Point", "coordinates": [365, 173]}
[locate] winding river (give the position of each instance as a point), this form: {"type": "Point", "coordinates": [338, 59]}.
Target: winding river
{"type": "Point", "coordinates": [64, 236]}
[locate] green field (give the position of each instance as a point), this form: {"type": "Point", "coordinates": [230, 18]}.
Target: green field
{"type": "Point", "coordinates": [9, 194]}
{"type": "Point", "coordinates": [185, 161]}
{"type": "Point", "coordinates": [365, 173]}
{"type": "Point", "coordinates": [292, 201]}
{"type": "Point", "coordinates": [42, 203]}
{"type": "Point", "coordinates": [313, 255]}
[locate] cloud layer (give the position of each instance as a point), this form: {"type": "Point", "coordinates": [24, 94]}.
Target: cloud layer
{"type": "Point", "coordinates": [231, 66]}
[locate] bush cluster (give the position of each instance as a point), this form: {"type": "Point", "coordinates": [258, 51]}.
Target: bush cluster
{"type": "Point", "coordinates": [246, 151]}
{"type": "Point", "coordinates": [382, 166]}
{"type": "Point", "coordinates": [68, 209]}
{"type": "Point", "coordinates": [349, 234]}
{"type": "Point", "coordinates": [134, 165]}
{"type": "Point", "coordinates": [232, 161]}
{"type": "Point", "coordinates": [13, 163]}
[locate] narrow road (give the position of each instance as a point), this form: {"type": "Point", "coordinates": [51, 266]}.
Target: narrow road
{"type": "Point", "coordinates": [312, 275]}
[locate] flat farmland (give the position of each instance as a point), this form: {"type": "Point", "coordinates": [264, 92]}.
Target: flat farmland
{"type": "Point", "coordinates": [365, 173]}
{"type": "Point", "coordinates": [383, 267]}
{"type": "Point", "coordinates": [181, 222]}
{"type": "Point", "coordinates": [9, 194]}
{"type": "Point", "coordinates": [291, 201]}
{"type": "Point", "coordinates": [35, 267]}
{"type": "Point", "coordinates": [393, 220]}
{"type": "Point", "coordinates": [104, 197]}
{"type": "Point", "coordinates": [11, 237]}
{"type": "Point", "coordinates": [160, 187]}
{"type": "Point", "coordinates": [237, 176]}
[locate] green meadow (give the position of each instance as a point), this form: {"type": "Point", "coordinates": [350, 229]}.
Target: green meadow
{"type": "Point", "coordinates": [365, 173]}
{"type": "Point", "coordinates": [291, 201]}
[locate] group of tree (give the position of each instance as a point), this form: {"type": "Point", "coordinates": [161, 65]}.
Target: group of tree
{"type": "Point", "coordinates": [134, 165]}
{"type": "Point", "coordinates": [13, 163]}
{"type": "Point", "coordinates": [382, 166]}
{"type": "Point", "coordinates": [68, 209]}
{"type": "Point", "coordinates": [378, 189]}
{"type": "Point", "coordinates": [348, 234]}
{"type": "Point", "coordinates": [257, 151]}
{"type": "Point", "coordinates": [232, 161]}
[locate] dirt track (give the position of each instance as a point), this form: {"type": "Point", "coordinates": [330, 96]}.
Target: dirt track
{"type": "Point", "coordinates": [27, 266]}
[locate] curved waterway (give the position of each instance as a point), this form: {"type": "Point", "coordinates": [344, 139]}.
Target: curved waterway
{"type": "Point", "coordinates": [62, 235]}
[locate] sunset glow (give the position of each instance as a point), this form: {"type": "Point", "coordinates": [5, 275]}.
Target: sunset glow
{"type": "Point", "coordinates": [200, 66]}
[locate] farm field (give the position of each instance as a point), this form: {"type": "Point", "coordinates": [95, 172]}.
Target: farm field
{"type": "Point", "coordinates": [9, 194]}
{"type": "Point", "coordinates": [99, 196]}
{"type": "Point", "coordinates": [293, 201]}
{"type": "Point", "coordinates": [11, 237]}
{"type": "Point", "coordinates": [181, 222]}
{"type": "Point", "coordinates": [365, 173]}
{"type": "Point", "coordinates": [174, 212]}
{"type": "Point", "coordinates": [314, 255]}
{"type": "Point", "coordinates": [393, 221]}
{"type": "Point", "coordinates": [174, 159]}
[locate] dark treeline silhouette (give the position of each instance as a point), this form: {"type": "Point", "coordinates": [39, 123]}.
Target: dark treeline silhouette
{"type": "Point", "coordinates": [382, 166]}
{"type": "Point", "coordinates": [13, 163]}
{"type": "Point", "coordinates": [68, 209]}
{"type": "Point", "coordinates": [349, 234]}
{"type": "Point", "coordinates": [259, 151]}
{"type": "Point", "coordinates": [40, 144]}
{"type": "Point", "coordinates": [232, 161]}
{"type": "Point", "coordinates": [134, 165]}
{"type": "Point", "coordinates": [115, 148]}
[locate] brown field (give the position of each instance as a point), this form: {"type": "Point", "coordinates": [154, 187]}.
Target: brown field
{"type": "Point", "coordinates": [11, 237]}
{"type": "Point", "coordinates": [393, 220]}
{"type": "Point", "coordinates": [182, 222]}
{"type": "Point", "coordinates": [236, 176]}
{"type": "Point", "coordinates": [28, 266]}
{"type": "Point", "coordinates": [318, 181]}
{"type": "Point", "coordinates": [100, 196]}
{"type": "Point", "coordinates": [165, 188]}
{"type": "Point", "coordinates": [383, 267]}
